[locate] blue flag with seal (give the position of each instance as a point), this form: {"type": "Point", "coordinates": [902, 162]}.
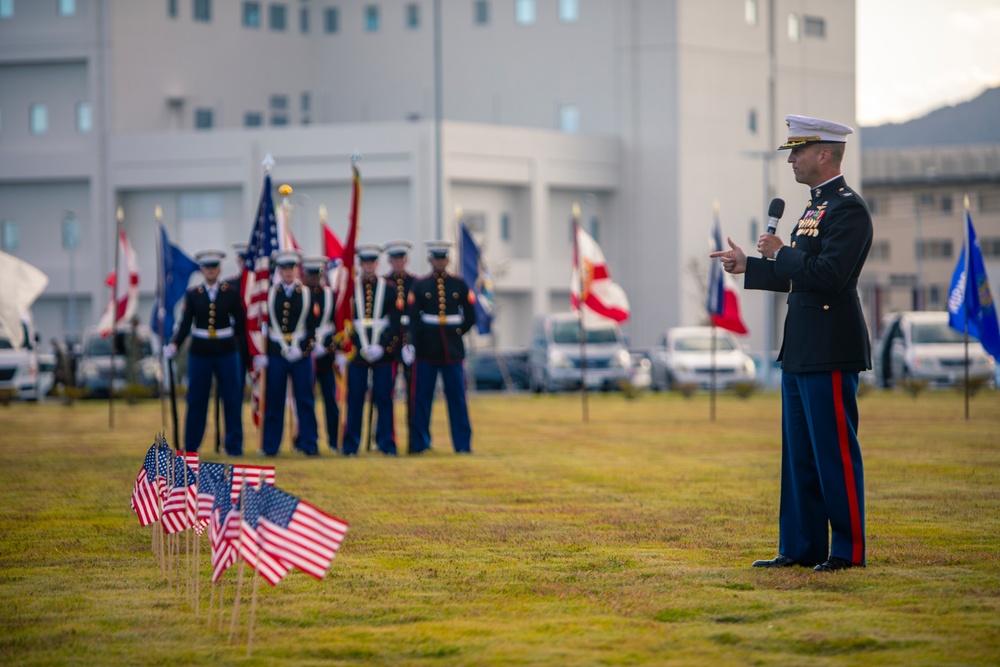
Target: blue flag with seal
{"type": "Point", "coordinates": [716, 289]}
{"type": "Point", "coordinates": [969, 298]}
{"type": "Point", "coordinates": [477, 278]}
{"type": "Point", "coordinates": [175, 269]}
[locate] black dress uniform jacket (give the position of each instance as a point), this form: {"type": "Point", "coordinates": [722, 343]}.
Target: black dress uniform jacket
{"type": "Point", "coordinates": [322, 308]}
{"type": "Point", "coordinates": [389, 338]}
{"type": "Point", "coordinates": [201, 313]}
{"type": "Point", "coordinates": [285, 315]}
{"type": "Point", "coordinates": [825, 326]}
{"type": "Point", "coordinates": [441, 310]}
{"type": "Point", "coordinates": [400, 283]}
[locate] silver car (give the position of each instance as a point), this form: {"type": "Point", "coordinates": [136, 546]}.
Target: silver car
{"type": "Point", "coordinates": [683, 356]}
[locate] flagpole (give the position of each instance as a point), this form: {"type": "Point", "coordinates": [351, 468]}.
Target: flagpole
{"type": "Point", "coordinates": [160, 304]}
{"type": "Point", "coordinates": [968, 262]}
{"type": "Point", "coordinates": [712, 375]}
{"type": "Point", "coordinates": [579, 312]}
{"type": "Point", "coordinates": [114, 317]}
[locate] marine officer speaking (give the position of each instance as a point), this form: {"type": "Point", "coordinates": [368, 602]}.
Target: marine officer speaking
{"type": "Point", "coordinates": [824, 348]}
{"type": "Point", "coordinates": [441, 310]}
{"type": "Point", "coordinates": [213, 316]}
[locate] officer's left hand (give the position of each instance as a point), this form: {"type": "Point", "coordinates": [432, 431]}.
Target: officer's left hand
{"type": "Point", "coordinates": [408, 354]}
{"type": "Point", "coordinates": [373, 352]}
{"type": "Point", "coordinates": [293, 353]}
{"type": "Point", "coordinates": [169, 351]}
{"type": "Point", "coordinates": [768, 245]}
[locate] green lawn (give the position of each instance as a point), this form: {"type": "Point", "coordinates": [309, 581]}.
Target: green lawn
{"type": "Point", "coordinates": [623, 541]}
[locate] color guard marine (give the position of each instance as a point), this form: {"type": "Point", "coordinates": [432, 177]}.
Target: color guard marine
{"type": "Point", "coordinates": [213, 317]}
{"type": "Point", "coordinates": [375, 340]}
{"type": "Point", "coordinates": [441, 310]}
{"type": "Point", "coordinates": [402, 280]}
{"type": "Point", "coordinates": [323, 305]}
{"type": "Point", "coordinates": [290, 334]}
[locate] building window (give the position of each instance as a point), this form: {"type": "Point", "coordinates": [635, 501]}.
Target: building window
{"type": "Point", "coordinates": [569, 118]}
{"type": "Point", "coordinates": [253, 119]}
{"type": "Point", "coordinates": [595, 229]}
{"type": "Point", "coordinates": [481, 12]}
{"type": "Point", "coordinates": [84, 117]}
{"type": "Point", "coordinates": [304, 21]}
{"type": "Point", "coordinates": [331, 20]}
{"type": "Point", "coordinates": [814, 26]}
{"type": "Point", "coordinates": [752, 121]}
{"type": "Point", "coordinates": [371, 18]}
{"type": "Point", "coordinates": [67, 7]}
{"type": "Point", "coordinates": [505, 226]}
{"type": "Point", "coordinates": [172, 8]}
{"type": "Point", "coordinates": [935, 249]}
{"type": "Point", "coordinates": [6, 9]}
{"type": "Point", "coordinates": [9, 238]}
{"type": "Point", "coordinates": [202, 10]}
{"type": "Point", "coordinates": [879, 251]}
{"type": "Point", "coordinates": [412, 16]}
{"type": "Point", "coordinates": [934, 296]}
{"type": "Point", "coordinates": [947, 203]}
{"type": "Point", "coordinates": [277, 18]}
{"type": "Point", "coordinates": [202, 119]}
{"type": "Point", "coordinates": [990, 245]}
{"type": "Point", "coordinates": [279, 119]}
{"type": "Point", "coordinates": [524, 11]}
{"type": "Point", "coordinates": [279, 102]}
{"type": "Point", "coordinates": [569, 11]}
{"type": "Point", "coordinates": [750, 12]}
{"type": "Point", "coordinates": [793, 27]}
{"type": "Point", "coordinates": [251, 14]}
{"type": "Point", "coordinates": [38, 118]}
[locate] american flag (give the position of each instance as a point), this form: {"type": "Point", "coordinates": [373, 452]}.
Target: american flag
{"type": "Point", "coordinates": [223, 551]}
{"type": "Point", "coordinates": [213, 490]}
{"type": "Point", "coordinates": [145, 498]}
{"type": "Point", "coordinates": [190, 458]}
{"type": "Point", "coordinates": [257, 279]}
{"type": "Point", "coordinates": [252, 475]}
{"type": "Point", "coordinates": [250, 547]}
{"type": "Point", "coordinates": [181, 502]}
{"type": "Point", "coordinates": [297, 533]}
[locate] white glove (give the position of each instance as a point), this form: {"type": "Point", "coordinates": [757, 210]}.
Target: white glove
{"type": "Point", "coordinates": [373, 352]}
{"type": "Point", "coordinates": [259, 362]}
{"type": "Point", "coordinates": [169, 351]}
{"type": "Point", "coordinates": [293, 354]}
{"type": "Point", "coordinates": [341, 360]}
{"type": "Point", "coordinates": [318, 351]}
{"type": "Point", "coordinates": [409, 355]}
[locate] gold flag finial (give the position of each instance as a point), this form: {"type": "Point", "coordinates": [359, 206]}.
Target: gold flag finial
{"type": "Point", "coordinates": [322, 211]}
{"type": "Point", "coordinates": [121, 214]}
{"type": "Point", "coordinates": [576, 210]}
{"type": "Point", "coordinates": [159, 213]}
{"type": "Point", "coordinates": [715, 207]}
{"type": "Point", "coordinates": [966, 201]}
{"type": "Point", "coordinates": [284, 190]}
{"type": "Point", "coordinates": [458, 212]}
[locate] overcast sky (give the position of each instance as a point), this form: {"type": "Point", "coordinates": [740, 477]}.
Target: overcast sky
{"type": "Point", "coordinates": [915, 56]}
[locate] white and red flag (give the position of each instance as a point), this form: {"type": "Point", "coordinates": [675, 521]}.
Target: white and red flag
{"type": "Point", "coordinates": [592, 286]}
{"type": "Point", "coordinates": [723, 303]}
{"type": "Point", "coordinates": [124, 283]}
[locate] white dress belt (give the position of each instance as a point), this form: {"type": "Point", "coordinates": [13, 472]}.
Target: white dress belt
{"type": "Point", "coordinates": [427, 318]}
{"type": "Point", "coordinates": [209, 334]}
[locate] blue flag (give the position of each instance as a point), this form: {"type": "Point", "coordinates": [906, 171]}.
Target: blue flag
{"type": "Point", "coordinates": [716, 290]}
{"type": "Point", "coordinates": [478, 279]}
{"type": "Point", "coordinates": [970, 299]}
{"type": "Point", "coordinates": [175, 269]}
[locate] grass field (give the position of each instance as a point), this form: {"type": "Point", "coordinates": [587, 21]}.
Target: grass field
{"type": "Point", "coordinates": [623, 541]}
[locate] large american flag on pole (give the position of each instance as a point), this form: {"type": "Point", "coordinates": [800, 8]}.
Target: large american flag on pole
{"type": "Point", "coordinates": [297, 533]}
{"type": "Point", "coordinates": [257, 278]}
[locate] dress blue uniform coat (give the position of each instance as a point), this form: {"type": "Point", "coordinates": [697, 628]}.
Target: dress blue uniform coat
{"type": "Point", "coordinates": [323, 306]}
{"type": "Point", "coordinates": [402, 281]}
{"type": "Point", "coordinates": [216, 325]}
{"type": "Point", "coordinates": [364, 318]}
{"type": "Point", "coordinates": [441, 311]}
{"type": "Point", "coordinates": [290, 322]}
{"type": "Point", "coordinates": [824, 348]}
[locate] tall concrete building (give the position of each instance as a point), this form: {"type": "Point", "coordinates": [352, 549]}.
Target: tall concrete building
{"type": "Point", "coordinates": [646, 112]}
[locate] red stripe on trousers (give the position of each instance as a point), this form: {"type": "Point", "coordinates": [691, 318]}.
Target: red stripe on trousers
{"type": "Point", "coordinates": [845, 456]}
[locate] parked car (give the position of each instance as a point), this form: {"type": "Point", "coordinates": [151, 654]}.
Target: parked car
{"type": "Point", "coordinates": [94, 368]}
{"type": "Point", "coordinates": [19, 373]}
{"type": "Point", "coordinates": [683, 356]}
{"type": "Point", "coordinates": [922, 346]}
{"type": "Point", "coordinates": [486, 369]}
{"type": "Point", "coordinates": [555, 355]}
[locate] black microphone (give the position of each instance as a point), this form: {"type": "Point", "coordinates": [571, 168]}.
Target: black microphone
{"type": "Point", "coordinates": [774, 213]}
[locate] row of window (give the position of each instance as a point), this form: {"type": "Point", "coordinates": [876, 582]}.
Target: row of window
{"type": "Point", "coordinates": [811, 26]}
{"type": "Point", "coordinates": [63, 7]}
{"type": "Point", "coordinates": [933, 203]}
{"type": "Point", "coordinates": [38, 118]}
{"type": "Point", "coordinates": [277, 14]}
{"type": "Point", "coordinates": [934, 249]}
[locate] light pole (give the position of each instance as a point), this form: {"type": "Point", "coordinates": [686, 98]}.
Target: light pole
{"type": "Point", "coordinates": [70, 242]}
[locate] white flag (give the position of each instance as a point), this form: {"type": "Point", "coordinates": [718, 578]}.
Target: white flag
{"type": "Point", "coordinates": [22, 283]}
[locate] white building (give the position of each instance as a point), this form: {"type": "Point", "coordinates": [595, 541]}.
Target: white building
{"type": "Point", "coordinates": [646, 112]}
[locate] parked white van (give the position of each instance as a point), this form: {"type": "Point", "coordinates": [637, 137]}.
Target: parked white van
{"type": "Point", "coordinates": [555, 354]}
{"type": "Point", "coordinates": [19, 375]}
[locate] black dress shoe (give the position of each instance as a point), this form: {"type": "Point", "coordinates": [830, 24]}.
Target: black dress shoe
{"type": "Point", "coordinates": [833, 564]}
{"type": "Point", "coordinates": [780, 561]}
